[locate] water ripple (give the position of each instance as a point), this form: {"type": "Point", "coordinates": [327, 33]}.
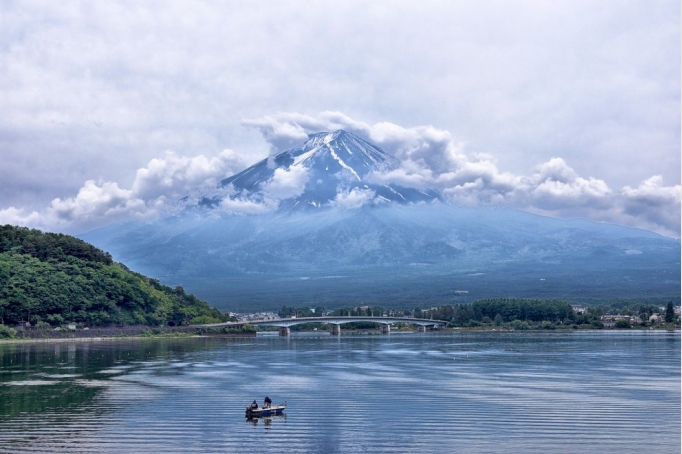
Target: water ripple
{"type": "Point", "coordinates": [444, 393]}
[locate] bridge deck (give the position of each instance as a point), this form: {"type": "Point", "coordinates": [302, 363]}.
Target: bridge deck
{"type": "Point", "coordinates": [287, 322]}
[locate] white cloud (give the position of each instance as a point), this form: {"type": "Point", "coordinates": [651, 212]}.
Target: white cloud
{"type": "Point", "coordinates": [286, 183]}
{"type": "Point", "coordinates": [286, 130]}
{"type": "Point", "coordinates": [175, 176]}
{"type": "Point", "coordinates": [97, 201]}
{"type": "Point", "coordinates": [655, 205]}
{"type": "Point", "coordinates": [247, 206]}
{"type": "Point", "coordinates": [355, 198]}
{"type": "Point", "coordinates": [19, 216]}
{"type": "Point", "coordinates": [280, 135]}
{"type": "Point", "coordinates": [557, 190]}
{"type": "Point", "coordinates": [556, 186]}
{"type": "Point", "coordinates": [94, 205]}
{"type": "Point", "coordinates": [652, 194]}
{"type": "Point", "coordinates": [156, 190]}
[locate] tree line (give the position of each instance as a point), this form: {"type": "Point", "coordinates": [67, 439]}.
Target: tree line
{"type": "Point", "coordinates": [49, 279]}
{"type": "Point", "coordinates": [504, 312]}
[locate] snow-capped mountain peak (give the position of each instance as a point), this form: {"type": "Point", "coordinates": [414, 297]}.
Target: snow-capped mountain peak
{"type": "Point", "coordinates": [340, 151]}
{"type": "Point", "coordinates": [333, 163]}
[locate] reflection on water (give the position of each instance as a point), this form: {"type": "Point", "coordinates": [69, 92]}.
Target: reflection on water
{"type": "Point", "coordinates": [483, 392]}
{"type": "Point", "coordinates": [266, 421]}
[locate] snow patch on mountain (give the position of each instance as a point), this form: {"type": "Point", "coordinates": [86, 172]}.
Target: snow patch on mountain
{"type": "Point", "coordinates": [344, 165]}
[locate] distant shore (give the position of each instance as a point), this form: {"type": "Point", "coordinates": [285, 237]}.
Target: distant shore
{"type": "Point", "coordinates": [180, 335]}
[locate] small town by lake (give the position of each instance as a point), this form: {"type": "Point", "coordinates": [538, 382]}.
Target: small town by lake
{"type": "Point", "coordinates": [569, 391]}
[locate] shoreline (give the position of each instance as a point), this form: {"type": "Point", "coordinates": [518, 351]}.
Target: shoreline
{"type": "Point", "coordinates": [51, 340]}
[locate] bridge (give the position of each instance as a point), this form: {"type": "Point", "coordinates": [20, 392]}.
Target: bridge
{"type": "Point", "coordinates": [334, 323]}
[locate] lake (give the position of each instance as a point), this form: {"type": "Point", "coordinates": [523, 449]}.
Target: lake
{"type": "Point", "coordinates": [555, 392]}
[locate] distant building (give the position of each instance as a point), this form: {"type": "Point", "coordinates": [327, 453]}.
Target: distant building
{"type": "Point", "coordinates": [579, 309]}
{"type": "Point", "coordinates": [256, 317]}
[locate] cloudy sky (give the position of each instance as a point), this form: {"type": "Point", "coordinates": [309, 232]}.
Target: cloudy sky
{"type": "Point", "coordinates": [113, 110]}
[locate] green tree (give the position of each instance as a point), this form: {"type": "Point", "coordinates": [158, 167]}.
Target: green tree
{"type": "Point", "coordinates": [6, 332]}
{"type": "Point", "coordinates": [319, 311]}
{"type": "Point", "coordinates": [669, 312]}
{"type": "Point", "coordinates": [623, 323]}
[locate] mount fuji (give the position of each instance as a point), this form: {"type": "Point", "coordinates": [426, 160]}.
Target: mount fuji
{"type": "Point", "coordinates": [401, 247]}
{"type": "Point", "coordinates": [333, 162]}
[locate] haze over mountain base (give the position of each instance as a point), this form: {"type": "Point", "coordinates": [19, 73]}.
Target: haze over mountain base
{"type": "Point", "coordinates": [329, 231]}
{"type": "Point", "coordinates": [394, 255]}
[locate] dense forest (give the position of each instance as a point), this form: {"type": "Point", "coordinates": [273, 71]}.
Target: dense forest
{"type": "Point", "coordinates": [54, 279]}
{"type": "Point", "coordinates": [517, 313]}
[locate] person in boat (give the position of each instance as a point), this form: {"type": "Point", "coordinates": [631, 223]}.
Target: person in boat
{"type": "Point", "coordinates": [267, 402]}
{"type": "Point", "coordinates": [254, 405]}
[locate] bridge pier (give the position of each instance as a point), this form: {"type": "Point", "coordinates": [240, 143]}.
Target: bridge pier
{"type": "Point", "coordinates": [334, 329]}
{"type": "Point", "coordinates": [421, 328]}
{"type": "Point", "coordinates": [385, 328]}
{"type": "Point", "coordinates": [284, 331]}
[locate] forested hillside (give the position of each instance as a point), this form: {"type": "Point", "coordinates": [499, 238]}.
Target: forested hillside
{"type": "Point", "coordinates": [56, 279]}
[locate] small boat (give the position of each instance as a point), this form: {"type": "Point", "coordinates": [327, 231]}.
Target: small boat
{"type": "Point", "coordinates": [272, 410]}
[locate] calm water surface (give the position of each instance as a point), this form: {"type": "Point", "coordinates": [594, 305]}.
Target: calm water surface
{"type": "Point", "coordinates": [486, 392]}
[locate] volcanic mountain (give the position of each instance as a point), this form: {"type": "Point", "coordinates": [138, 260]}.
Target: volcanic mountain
{"type": "Point", "coordinates": [405, 248]}
{"type": "Point", "coordinates": [333, 162]}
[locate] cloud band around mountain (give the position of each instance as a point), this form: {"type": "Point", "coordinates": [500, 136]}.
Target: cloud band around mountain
{"type": "Point", "coordinates": [428, 157]}
{"type": "Point", "coordinates": [432, 158]}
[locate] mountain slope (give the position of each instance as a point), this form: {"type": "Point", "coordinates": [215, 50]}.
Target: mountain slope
{"type": "Point", "coordinates": [412, 254]}
{"type": "Point", "coordinates": [404, 247]}
{"type": "Point", "coordinates": [54, 278]}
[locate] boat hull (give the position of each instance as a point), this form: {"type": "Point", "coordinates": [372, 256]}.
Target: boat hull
{"type": "Point", "coordinates": [265, 411]}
